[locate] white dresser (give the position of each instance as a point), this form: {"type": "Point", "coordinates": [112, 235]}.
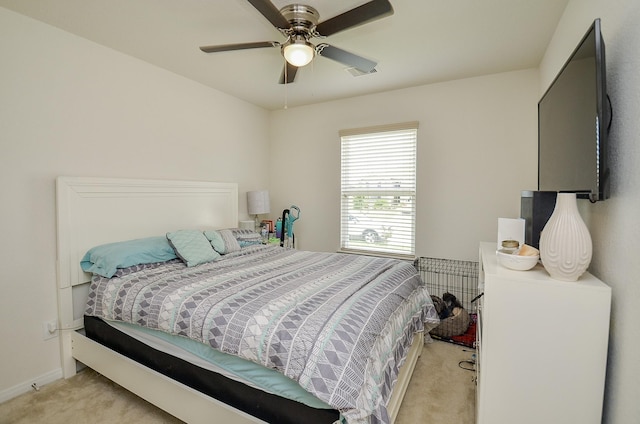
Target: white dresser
{"type": "Point", "coordinates": [542, 346]}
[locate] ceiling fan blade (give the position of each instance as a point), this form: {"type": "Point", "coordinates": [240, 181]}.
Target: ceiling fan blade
{"type": "Point", "coordinates": [270, 12]}
{"type": "Point", "coordinates": [290, 71]}
{"type": "Point", "coordinates": [334, 53]}
{"type": "Point", "coordinates": [367, 12]}
{"type": "Point", "coordinates": [239, 46]}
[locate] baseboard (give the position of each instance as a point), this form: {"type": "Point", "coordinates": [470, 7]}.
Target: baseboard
{"type": "Point", "coordinates": [26, 386]}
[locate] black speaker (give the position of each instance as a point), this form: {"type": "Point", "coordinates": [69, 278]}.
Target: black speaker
{"type": "Point", "coordinates": [535, 208]}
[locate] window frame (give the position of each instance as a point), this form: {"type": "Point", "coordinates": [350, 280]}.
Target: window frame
{"type": "Point", "coordinates": [396, 192]}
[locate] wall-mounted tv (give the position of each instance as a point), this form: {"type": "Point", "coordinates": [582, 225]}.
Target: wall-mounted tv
{"type": "Point", "coordinates": [573, 119]}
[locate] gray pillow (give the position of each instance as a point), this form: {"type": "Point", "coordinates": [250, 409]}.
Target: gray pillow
{"type": "Point", "coordinates": [223, 241]}
{"type": "Point", "coordinates": [246, 237]}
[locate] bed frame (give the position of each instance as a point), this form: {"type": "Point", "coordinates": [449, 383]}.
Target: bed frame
{"type": "Point", "coordinates": [93, 211]}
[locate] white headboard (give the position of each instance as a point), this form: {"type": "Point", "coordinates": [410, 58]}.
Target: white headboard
{"type": "Point", "coordinates": [94, 211]}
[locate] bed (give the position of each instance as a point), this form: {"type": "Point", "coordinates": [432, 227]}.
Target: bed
{"type": "Point", "coordinates": [167, 361]}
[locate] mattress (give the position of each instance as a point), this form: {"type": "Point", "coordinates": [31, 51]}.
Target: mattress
{"type": "Point", "coordinates": [266, 406]}
{"type": "Point", "coordinates": [338, 325]}
{"type": "Point", "coordinates": [229, 366]}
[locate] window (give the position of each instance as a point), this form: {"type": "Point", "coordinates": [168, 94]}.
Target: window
{"type": "Point", "coordinates": [378, 189]}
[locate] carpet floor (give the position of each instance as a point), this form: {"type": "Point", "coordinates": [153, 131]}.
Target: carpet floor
{"type": "Point", "coordinates": [440, 392]}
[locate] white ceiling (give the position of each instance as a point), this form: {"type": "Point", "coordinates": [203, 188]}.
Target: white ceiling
{"type": "Point", "coordinates": [424, 41]}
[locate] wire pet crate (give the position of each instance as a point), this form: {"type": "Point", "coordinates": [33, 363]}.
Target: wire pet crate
{"type": "Point", "coordinates": [460, 278]}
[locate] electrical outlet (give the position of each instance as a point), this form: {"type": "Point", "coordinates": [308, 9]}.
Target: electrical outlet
{"type": "Point", "coordinates": [49, 330]}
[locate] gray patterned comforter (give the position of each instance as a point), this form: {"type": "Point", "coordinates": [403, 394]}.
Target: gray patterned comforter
{"type": "Point", "coordinates": [339, 325]}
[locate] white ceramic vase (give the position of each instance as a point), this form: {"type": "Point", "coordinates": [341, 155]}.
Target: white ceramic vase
{"type": "Point", "coordinates": [565, 242]}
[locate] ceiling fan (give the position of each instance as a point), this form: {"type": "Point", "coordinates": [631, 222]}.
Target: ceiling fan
{"type": "Point", "coordinates": [299, 23]}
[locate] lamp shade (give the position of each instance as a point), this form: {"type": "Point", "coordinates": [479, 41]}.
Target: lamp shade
{"type": "Point", "coordinates": [258, 202]}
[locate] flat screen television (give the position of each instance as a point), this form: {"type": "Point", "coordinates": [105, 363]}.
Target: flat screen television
{"type": "Point", "coordinates": [573, 120]}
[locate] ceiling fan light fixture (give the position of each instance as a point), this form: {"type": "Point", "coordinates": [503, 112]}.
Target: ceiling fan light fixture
{"type": "Point", "coordinates": [298, 52]}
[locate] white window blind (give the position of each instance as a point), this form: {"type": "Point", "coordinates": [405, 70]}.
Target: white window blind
{"type": "Point", "coordinates": [378, 189]}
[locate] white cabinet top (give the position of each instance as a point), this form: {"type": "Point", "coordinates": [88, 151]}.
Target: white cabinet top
{"type": "Point", "coordinates": [537, 274]}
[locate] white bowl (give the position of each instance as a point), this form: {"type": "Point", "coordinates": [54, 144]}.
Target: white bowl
{"type": "Point", "coordinates": [517, 262]}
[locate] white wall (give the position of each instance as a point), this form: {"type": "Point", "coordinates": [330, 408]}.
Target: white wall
{"type": "Point", "coordinates": [477, 149]}
{"type": "Point", "coordinates": [71, 107]}
{"type": "Point", "coordinates": [614, 222]}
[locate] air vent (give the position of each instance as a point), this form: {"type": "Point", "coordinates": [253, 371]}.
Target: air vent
{"type": "Point", "coordinates": [358, 73]}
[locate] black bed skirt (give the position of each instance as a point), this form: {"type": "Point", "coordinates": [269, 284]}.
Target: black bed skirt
{"type": "Point", "coordinates": [265, 406]}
